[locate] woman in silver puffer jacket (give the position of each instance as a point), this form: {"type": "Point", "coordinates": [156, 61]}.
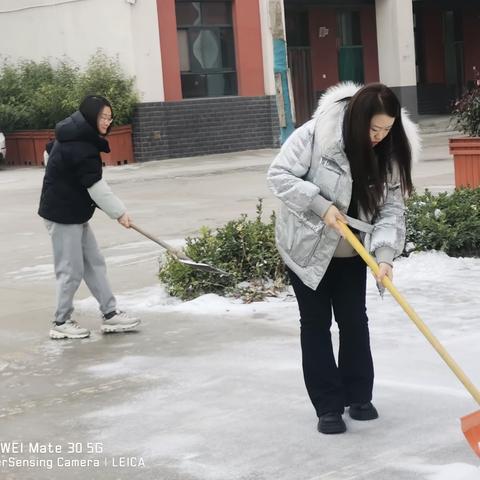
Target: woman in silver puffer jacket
{"type": "Point", "coordinates": [351, 162]}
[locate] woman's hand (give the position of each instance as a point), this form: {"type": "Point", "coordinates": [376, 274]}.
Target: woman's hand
{"type": "Point", "coordinates": [385, 270]}
{"type": "Point", "coordinates": [331, 216]}
{"type": "Point", "coordinates": [125, 220]}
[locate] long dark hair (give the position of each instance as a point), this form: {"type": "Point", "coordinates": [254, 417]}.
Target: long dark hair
{"type": "Point", "coordinates": [370, 167]}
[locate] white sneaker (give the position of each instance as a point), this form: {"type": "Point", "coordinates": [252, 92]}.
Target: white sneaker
{"type": "Point", "coordinates": [69, 329]}
{"type": "Point", "coordinates": [119, 322]}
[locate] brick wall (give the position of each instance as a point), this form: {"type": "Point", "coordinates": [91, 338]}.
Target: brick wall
{"type": "Point", "coordinates": [204, 126]}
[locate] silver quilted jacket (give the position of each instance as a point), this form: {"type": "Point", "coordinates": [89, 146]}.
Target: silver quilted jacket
{"type": "Point", "coordinates": [310, 173]}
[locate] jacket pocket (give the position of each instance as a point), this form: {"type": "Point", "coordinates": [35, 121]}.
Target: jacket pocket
{"type": "Point", "coordinates": [328, 177]}
{"type": "Point", "coordinates": [298, 234]}
{"type": "Point", "coordinates": [305, 242]}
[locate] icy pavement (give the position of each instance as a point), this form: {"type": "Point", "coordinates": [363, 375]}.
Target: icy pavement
{"type": "Point", "coordinates": [212, 389]}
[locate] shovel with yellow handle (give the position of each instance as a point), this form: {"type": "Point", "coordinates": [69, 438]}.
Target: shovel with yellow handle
{"type": "Point", "coordinates": [470, 423]}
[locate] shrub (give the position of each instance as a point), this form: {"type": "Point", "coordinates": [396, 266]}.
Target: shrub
{"type": "Point", "coordinates": [245, 248]}
{"type": "Point", "coordinates": [446, 222]}
{"type": "Point", "coordinates": [38, 95]}
{"type": "Point", "coordinates": [466, 113]}
{"type": "Point", "coordinates": [104, 76]}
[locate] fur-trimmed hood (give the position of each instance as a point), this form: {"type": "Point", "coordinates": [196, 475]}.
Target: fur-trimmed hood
{"type": "Point", "coordinates": [330, 110]}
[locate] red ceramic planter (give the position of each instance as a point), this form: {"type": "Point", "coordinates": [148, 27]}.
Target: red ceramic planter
{"type": "Point", "coordinates": [466, 157]}
{"type": "Point", "coordinates": [26, 148]}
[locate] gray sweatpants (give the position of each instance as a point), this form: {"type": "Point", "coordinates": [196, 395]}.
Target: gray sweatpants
{"type": "Point", "coordinates": [76, 256]}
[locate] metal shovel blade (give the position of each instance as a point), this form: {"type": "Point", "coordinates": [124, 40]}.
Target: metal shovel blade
{"type": "Point", "coordinates": [178, 255]}
{"type": "Point", "coordinates": [471, 430]}
{"type": "Point", "coordinates": [205, 267]}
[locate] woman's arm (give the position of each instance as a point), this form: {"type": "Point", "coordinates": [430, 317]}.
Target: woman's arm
{"type": "Point", "coordinates": [388, 237]}
{"type": "Point", "coordinates": [106, 200]}
{"type": "Point", "coordinates": [90, 175]}
{"type": "Point", "coordinates": [285, 175]}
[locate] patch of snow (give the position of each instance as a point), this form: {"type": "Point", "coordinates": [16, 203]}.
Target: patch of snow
{"type": "Point", "coordinates": [453, 471]}
{"type": "Point", "coordinates": [38, 272]}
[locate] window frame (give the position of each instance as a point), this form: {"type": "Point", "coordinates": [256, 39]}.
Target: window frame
{"type": "Point", "coordinates": [193, 62]}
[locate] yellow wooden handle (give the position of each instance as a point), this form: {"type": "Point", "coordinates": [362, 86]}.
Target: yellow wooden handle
{"type": "Point", "coordinates": [360, 249]}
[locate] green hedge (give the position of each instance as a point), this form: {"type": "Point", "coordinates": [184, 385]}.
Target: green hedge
{"type": "Point", "coordinates": [37, 95]}
{"type": "Point", "coordinates": [246, 248]}
{"type": "Point", "coordinates": [446, 222]}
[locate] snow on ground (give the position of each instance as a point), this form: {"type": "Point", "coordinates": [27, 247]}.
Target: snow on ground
{"type": "Point", "coordinates": [156, 299]}
{"type": "Point", "coordinates": [455, 471]}
{"type": "Point", "coordinates": [232, 382]}
{"type": "Point", "coordinates": [442, 289]}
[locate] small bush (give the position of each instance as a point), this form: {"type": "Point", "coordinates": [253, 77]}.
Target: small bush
{"type": "Point", "coordinates": [104, 76]}
{"type": "Point", "coordinates": [245, 248]}
{"type": "Point", "coordinates": [37, 95]}
{"type": "Point", "coordinates": [466, 113]}
{"type": "Point", "coordinates": [446, 222]}
{"type": "Point", "coordinates": [33, 95]}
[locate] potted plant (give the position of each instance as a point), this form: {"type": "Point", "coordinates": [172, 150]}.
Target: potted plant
{"type": "Point", "coordinates": [466, 150]}
{"type": "Point", "coordinates": [38, 95]}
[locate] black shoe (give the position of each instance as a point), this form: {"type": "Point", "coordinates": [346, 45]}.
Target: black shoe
{"type": "Point", "coordinates": [363, 411]}
{"type": "Point", "coordinates": [331, 422]}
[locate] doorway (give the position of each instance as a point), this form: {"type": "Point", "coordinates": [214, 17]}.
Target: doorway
{"type": "Point", "coordinates": [300, 64]}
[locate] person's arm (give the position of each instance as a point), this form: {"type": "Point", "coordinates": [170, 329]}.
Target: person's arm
{"type": "Point", "coordinates": [89, 172]}
{"type": "Point", "coordinates": [106, 200]}
{"type": "Point", "coordinates": [285, 174]}
{"type": "Point", "coordinates": [388, 237]}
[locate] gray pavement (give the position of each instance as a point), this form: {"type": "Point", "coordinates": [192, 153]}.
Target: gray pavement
{"type": "Point", "coordinates": [50, 391]}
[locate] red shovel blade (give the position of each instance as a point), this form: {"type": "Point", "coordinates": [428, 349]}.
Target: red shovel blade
{"type": "Point", "coordinates": [471, 430]}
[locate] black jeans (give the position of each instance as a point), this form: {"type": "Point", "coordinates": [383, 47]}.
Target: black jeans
{"type": "Point", "coordinates": [343, 287]}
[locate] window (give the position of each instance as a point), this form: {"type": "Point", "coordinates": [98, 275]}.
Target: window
{"type": "Point", "coordinates": [206, 48]}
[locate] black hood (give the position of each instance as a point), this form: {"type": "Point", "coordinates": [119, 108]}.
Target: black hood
{"type": "Point", "coordinates": [75, 128]}
{"type": "Point", "coordinates": [91, 107]}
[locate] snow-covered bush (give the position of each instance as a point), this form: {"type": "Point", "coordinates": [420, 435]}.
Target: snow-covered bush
{"type": "Point", "coordinates": [446, 222]}
{"type": "Point", "coordinates": [243, 247]}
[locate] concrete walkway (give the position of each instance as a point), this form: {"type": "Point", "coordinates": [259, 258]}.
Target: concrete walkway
{"type": "Point", "coordinates": [50, 391]}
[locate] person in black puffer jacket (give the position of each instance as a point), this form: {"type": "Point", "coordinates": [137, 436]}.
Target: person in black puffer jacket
{"type": "Point", "coordinates": [72, 188]}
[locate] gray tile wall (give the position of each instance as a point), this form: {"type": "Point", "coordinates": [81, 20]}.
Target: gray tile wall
{"type": "Point", "coordinates": [204, 126]}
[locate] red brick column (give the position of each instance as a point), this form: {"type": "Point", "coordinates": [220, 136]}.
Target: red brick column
{"type": "Point", "coordinates": [167, 25]}
{"type": "Point", "coordinates": [248, 47]}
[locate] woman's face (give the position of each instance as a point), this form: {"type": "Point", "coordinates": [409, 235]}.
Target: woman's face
{"type": "Point", "coordinates": [104, 120]}
{"type": "Point", "coordinates": [380, 126]}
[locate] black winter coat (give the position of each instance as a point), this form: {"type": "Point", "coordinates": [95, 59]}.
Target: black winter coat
{"type": "Point", "coordinates": [73, 166]}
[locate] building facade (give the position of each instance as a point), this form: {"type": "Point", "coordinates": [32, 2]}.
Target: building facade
{"type": "Point", "coordinates": [224, 75]}
{"type": "Point", "coordinates": [447, 35]}
{"type": "Point", "coordinates": [204, 69]}
{"type": "Point", "coordinates": [426, 50]}
{"type": "Point", "coordinates": [218, 96]}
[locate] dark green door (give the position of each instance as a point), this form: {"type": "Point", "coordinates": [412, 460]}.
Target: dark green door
{"type": "Point", "coordinates": [350, 48]}
{"type": "Point", "coordinates": [454, 56]}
